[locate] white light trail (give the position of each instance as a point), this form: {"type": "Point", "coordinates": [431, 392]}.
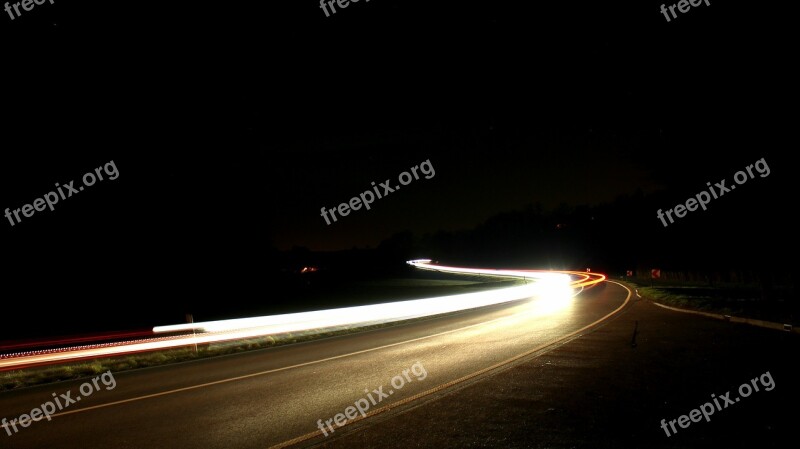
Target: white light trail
{"type": "Point", "coordinates": [545, 284]}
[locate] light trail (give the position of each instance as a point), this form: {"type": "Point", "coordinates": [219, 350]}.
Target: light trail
{"type": "Point", "coordinates": [550, 284]}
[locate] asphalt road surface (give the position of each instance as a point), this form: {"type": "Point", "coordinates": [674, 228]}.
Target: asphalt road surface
{"type": "Point", "coordinates": [287, 394]}
{"type": "Point", "coordinates": [602, 391]}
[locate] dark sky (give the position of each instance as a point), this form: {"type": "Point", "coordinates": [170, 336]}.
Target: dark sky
{"type": "Point", "coordinates": [232, 124]}
{"type": "Point", "coordinates": [267, 113]}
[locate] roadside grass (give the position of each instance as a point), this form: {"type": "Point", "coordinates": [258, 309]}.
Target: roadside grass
{"type": "Point", "coordinates": [685, 300]}
{"type": "Point", "coordinates": [738, 302]}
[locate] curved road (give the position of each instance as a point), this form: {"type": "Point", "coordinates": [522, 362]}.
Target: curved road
{"type": "Point", "coordinates": [281, 395]}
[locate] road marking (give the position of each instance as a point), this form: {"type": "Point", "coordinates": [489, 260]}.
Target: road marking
{"type": "Point", "coordinates": [696, 312]}
{"type": "Point", "coordinates": [436, 389]}
{"type": "Point", "coordinates": [732, 319]}
{"type": "Point", "coordinates": [372, 412]}
{"type": "Point", "coordinates": [261, 373]}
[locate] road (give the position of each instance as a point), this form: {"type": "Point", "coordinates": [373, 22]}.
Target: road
{"type": "Point", "coordinates": [602, 392]}
{"type": "Point", "coordinates": [268, 397]}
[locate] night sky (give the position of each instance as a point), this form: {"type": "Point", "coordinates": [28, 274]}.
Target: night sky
{"type": "Point", "coordinates": [231, 125]}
